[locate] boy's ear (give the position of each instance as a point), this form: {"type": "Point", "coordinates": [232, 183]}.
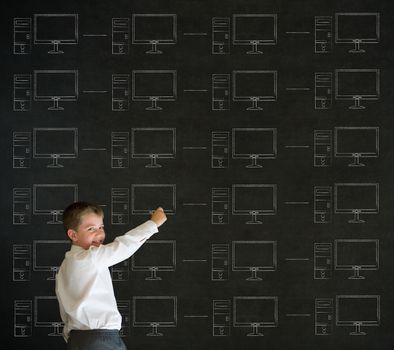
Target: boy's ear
{"type": "Point", "coordinates": [72, 234]}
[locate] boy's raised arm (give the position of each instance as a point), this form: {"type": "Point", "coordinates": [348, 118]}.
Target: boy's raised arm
{"type": "Point", "coordinates": [125, 246]}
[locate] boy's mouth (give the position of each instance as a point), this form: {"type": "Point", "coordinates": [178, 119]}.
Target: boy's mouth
{"type": "Point", "coordinates": [97, 243]}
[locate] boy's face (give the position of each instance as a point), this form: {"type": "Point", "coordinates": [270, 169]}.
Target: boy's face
{"type": "Point", "coordinates": [90, 231]}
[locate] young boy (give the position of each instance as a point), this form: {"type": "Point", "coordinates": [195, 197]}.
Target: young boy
{"type": "Point", "coordinates": [83, 284]}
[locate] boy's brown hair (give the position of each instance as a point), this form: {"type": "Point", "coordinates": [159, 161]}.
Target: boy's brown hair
{"type": "Point", "coordinates": [73, 213]}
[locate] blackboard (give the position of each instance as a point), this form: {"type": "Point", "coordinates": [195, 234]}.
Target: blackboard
{"type": "Point", "coordinates": [264, 129]}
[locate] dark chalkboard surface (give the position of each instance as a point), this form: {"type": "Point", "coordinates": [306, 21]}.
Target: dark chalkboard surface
{"type": "Point", "coordinates": [263, 128]}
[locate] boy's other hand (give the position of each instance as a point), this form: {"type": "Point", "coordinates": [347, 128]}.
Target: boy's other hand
{"type": "Point", "coordinates": [159, 217]}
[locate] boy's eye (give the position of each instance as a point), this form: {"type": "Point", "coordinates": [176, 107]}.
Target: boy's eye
{"type": "Point", "coordinates": [94, 229]}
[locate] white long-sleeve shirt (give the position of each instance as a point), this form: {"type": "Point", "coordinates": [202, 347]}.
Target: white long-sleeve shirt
{"type": "Point", "coordinates": [84, 286]}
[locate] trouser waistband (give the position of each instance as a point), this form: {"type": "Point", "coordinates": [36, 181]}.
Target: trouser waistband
{"type": "Point", "coordinates": [94, 331]}
{"type": "Point", "coordinates": [95, 339]}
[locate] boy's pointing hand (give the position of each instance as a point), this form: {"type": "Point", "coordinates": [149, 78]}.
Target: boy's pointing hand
{"type": "Point", "coordinates": [159, 217]}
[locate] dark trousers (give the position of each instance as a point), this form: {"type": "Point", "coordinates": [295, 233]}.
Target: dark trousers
{"type": "Point", "coordinates": [96, 339]}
